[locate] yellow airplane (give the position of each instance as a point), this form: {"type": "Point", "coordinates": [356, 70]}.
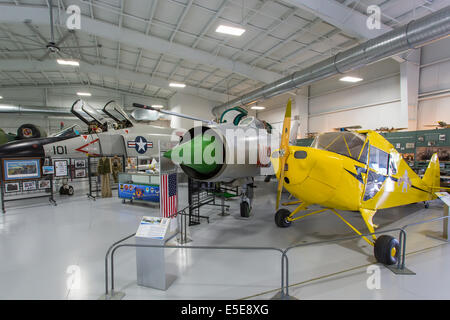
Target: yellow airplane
{"type": "Point", "coordinates": [352, 171]}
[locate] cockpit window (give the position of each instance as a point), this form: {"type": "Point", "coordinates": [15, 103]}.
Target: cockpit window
{"type": "Point", "coordinates": [378, 160]}
{"type": "Point", "coordinates": [345, 143]}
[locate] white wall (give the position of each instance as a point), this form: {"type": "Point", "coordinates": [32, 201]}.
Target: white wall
{"type": "Point", "coordinates": [372, 105]}
{"type": "Point", "coordinates": [435, 77]}
{"type": "Point", "coordinates": [192, 106]}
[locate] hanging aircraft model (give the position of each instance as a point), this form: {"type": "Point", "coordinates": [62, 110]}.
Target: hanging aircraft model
{"type": "Point", "coordinates": [353, 171]}
{"type": "Point", "coordinates": [439, 125]}
{"type": "Point", "coordinates": [389, 130]}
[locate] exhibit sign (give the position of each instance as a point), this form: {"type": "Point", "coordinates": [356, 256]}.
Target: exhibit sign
{"type": "Point", "coordinates": [29, 185]}
{"type": "Point", "coordinates": [12, 187]}
{"type": "Point", "coordinates": [445, 197]}
{"type": "Point", "coordinates": [153, 227]}
{"type": "Point", "coordinates": [21, 169]}
{"type": "Point", "coordinates": [139, 192]}
{"type": "Point", "coordinates": [44, 184]}
{"type": "Point", "coordinates": [61, 168]}
{"type": "Point", "coordinates": [46, 170]}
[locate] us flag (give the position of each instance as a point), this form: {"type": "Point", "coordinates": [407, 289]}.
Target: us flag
{"type": "Point", "coordinates": [169, 196]}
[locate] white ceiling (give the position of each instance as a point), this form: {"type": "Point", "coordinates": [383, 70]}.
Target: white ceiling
{"type": "Point", "coordinates": [147, 43]}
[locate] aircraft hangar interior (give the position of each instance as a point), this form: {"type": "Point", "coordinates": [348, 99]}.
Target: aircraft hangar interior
{"type": "Point", "coordinates": [251, 150]}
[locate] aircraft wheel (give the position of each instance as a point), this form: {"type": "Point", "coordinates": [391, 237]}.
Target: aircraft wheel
{"type": "Point", "coordinates": [245, 210]}
{"type": "Point", "coordinates": [280, 218]}
{"type": "Point", "coordinates": [61, 190]}
{"type": "Point", "coordinates": [386, 250]}
{"type": "Point", "coordinates": [70, 191]}
{"type": "Point", "coordinates": [426, 204]}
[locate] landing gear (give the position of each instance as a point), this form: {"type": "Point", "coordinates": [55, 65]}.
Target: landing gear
{"type": "Point", "coordinates": [66, 190]}
{"type": "Point", "coordinates": [245, 210]}
{"type": "Point", "coordinates": [247, 199]}
{"type": "Point", "coordinates": [426, 204]}
{"type": "Point", "coordinates": [386, 250]}
{"type": "Point", "coordinates": [281, 218]}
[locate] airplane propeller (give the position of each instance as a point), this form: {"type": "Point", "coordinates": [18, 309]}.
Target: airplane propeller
{"type": "Point", "coordinates": [284, 150]}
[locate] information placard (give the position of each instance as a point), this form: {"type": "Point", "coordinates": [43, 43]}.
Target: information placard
{"type": "Point", "coordinates": [153, 227]}
{"type": "Point", "coordinates": [61, 169]}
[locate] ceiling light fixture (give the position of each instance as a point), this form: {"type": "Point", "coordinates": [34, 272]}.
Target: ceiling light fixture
{"type": "Point", "coordinates": [350, 79]}
{"type": "Point", "coordinates": [230, 30]}
{"type": "Point", "coordinates": [157, 106]}
{"type": "Point", "coordinates": [177, 85]}
{"type": "Point", "coordinates": [68, 62]}
{"type": "Point", "coordinates": [84, 94]}
{"type": "Point", "coordinates": [257, 108]}
{"type": "Point", "coordinates": [1, 97]}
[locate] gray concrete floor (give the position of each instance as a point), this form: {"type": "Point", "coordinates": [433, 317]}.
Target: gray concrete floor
{"type": "Point", "coordinates": [39, 243]}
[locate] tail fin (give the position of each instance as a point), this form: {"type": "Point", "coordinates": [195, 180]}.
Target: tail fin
{"type": "Point", "coordinates": [432, 176]}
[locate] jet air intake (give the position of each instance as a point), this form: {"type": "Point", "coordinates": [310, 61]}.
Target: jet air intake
{"type": "Point", "coordinates": [220, 153]}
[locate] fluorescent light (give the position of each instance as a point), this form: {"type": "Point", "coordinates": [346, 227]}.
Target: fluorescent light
{"type": "Point", "coordinates": [230, 30]}
{"type": "Point", "coordinates": [157, 106]}
{"type": "Point", "coordinates": [257, 108]}
{"type": "Point", "coordinates": [1, 97]}
{"type": "Point", "coordinates": [177, 85]}
{"type": "Point", "coordinates": [84, 94]}
{"type": "Point", "coordinates": [68, 62]}
{"type": "Point", "coordinates": [350, 79]}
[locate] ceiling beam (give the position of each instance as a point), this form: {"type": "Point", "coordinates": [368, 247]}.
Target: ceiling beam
{"type": "Point", "coordinates": [17, 14]}
{"type": "Point", "coordinates": [107, 71]}
{"type": "Point", "coordinates": [350, 21]}
{"type": "Point", "coordinates": [80, 86]}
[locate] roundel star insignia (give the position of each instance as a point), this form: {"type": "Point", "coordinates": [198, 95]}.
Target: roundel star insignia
{"type": "Point", "coordinates": [140, 144]}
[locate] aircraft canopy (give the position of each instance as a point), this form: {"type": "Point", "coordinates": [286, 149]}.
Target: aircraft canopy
{"type": "Point", "coordinates": [346, 143]}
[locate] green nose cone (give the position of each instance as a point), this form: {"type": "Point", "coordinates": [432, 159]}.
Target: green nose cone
{"type": "Point", "coordinates": [193, 149]}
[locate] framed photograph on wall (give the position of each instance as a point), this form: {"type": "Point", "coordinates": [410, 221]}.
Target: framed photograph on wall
{"type": "Point", "coordinates": [80, 164]}
{"type": "Point", "coordinates": [61, 168]}
{"type": "Point", "coordinates": [12, 187]}
{"type": "Point", "coordinates": [29, 185]}
{"type": "Point", "coordinates": [80, 173]}
{"type": "Point", "coordinates": [44, 184]}
{"type": "Point", "coordinates": [21, 169]}
{"type": "Point", "coordinates": [46, 170]}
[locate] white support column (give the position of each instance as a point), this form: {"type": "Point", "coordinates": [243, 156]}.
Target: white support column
{"type": "Point", "coordinates": [301, 110]}
{"type": "Point", "coordinates": [409, 89]}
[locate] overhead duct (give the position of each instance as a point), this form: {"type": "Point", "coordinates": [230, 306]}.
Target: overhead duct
{"type": "Point", "coordinates": [7, 108]}
{"type": "Point", "coordinates": [413, 35]}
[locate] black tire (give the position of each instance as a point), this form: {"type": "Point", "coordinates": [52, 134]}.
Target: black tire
{"type": "Point", "coordinates": [245, 210]}
{"type": "Point", "coordinates": [70, 191]}
{"type": "Point", "coordinates": [426, 204]}
{"type": "Point", "coordinates": [61, 190]}
{"type": "Point", "coordinates": [280, 218]}
{"type": "Point", "coordinates": [387, 250]}
{"type": "Point", "coordinates": [28, 131]}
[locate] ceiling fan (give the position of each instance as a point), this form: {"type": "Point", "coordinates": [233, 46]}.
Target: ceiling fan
{"type": "Point", "coordinates": [52, 46]}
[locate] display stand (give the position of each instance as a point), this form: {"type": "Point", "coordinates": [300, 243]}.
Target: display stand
{"type": "Point", "coordinates": [94, 178]}
{"type": "Point", "coordinates": [151, 267]}
{"type": "Point", "coordinates": [43, 186]}
{"type": "Point", "coordinates": [445, 197]}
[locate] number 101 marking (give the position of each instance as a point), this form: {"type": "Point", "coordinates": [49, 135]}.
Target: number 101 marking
{"type": "Point", "coordinates": [59, 150]}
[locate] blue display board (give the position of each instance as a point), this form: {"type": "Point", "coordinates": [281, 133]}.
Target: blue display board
{"type": "Point", "coordinates": [21, 169]}
{"type": "Point", "coordinates": [139, 192]}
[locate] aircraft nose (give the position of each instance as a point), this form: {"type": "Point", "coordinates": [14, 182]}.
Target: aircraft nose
{"type": "Point", "coordinates": [31, 148]}
{"type": "Point", "coordinates": [185, 155]}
